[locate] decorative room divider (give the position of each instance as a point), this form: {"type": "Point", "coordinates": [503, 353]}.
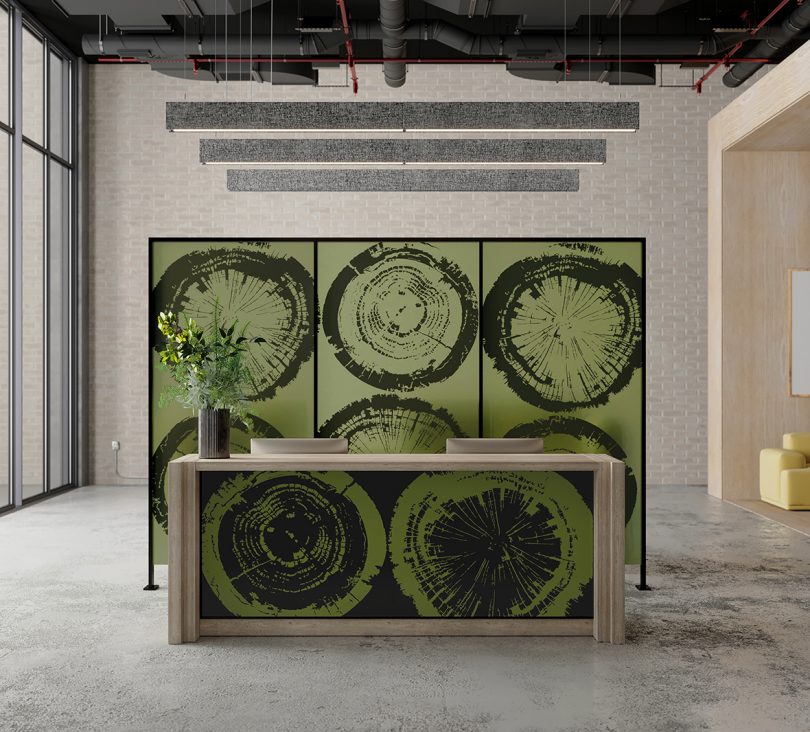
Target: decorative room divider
{"type": "Point", "coordinates": [399, 344]}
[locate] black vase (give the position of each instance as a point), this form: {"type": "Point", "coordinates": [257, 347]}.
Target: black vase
{"type": "Point", "coordinates": [214, 433]}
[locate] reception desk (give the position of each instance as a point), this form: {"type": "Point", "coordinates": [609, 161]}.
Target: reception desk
{"type": "Point", "coordinates": [396, 545]}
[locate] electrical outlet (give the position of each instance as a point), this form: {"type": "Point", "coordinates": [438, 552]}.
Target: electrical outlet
{"type": "Point", "coordinates": [116, 446]}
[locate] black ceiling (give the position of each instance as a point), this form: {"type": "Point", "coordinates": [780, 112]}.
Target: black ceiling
{"type": "Point", "coordinates": [611, 41]}
{"type": "Point", "coordinates": [693, 17]}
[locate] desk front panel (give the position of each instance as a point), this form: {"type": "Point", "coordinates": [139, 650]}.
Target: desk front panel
{"type": "Point", "coordinates": [373, 544]}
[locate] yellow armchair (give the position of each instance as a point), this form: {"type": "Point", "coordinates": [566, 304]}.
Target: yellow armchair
{"type": "Point", "coordinates": [784, 476]}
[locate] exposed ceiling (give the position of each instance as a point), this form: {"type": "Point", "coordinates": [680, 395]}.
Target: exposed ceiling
{"type": "Point", "coordinates": [573, 39]}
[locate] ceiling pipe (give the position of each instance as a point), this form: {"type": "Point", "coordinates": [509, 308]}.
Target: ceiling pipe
{"type": "Point", "coordinates": [169, 46]}
{"type": "Point", "coordinates": [539, 46]}
{"type": "Point", "coordinates": [481, 60]}
{"type": "Point", "coordinates": [797, 22]}
{"type": "Point", "coordinates": [476, 45]}
{"type": "Point", "coordinates": [392, 23]}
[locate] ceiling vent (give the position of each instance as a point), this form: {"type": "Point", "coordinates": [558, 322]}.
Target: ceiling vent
{"type": "Point", "coordinates": [638, 74]}
{"type": "Point", "coordinates": [278, 74]}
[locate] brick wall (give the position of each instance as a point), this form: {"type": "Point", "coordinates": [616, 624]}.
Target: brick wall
{"type": "Point", "coordinates": [146, 182]}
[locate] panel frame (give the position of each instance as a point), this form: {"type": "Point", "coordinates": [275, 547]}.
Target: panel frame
{"type": "Point", "coordinates": [317, 241]}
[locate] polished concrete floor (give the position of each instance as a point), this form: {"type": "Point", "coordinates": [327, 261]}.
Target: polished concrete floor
{"type": "Point", "coordinates": [722, 643]}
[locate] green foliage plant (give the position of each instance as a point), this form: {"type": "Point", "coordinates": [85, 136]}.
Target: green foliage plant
{"type": "Point", "coordinates": [208, 365]}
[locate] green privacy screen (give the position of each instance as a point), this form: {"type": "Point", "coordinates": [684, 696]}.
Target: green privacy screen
{"type": "Point", "coordinates": [563, 335]}
{"type": "Point", "coordinates": [396, 544]}
{"type": "Point", "coordinates": [398, 345]}
{"type": "Point", "coordinates": [271, 286]}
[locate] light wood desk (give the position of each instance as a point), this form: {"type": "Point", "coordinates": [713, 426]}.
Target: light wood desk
{"type": "Point", "coordinates": [189, 476]}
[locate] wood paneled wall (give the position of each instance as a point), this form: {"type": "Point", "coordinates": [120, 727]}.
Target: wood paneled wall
{"type": "Point", "coordinates": [759, 227]}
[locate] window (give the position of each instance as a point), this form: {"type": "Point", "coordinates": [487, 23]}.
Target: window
{"type": "Point", "coordinates": [33, 95]}
{"type": "Point", "coordinates": [37, 225]}
{"type": "Point", "coordinates": [33, 277]}
{"type": "Point", "coordinates": [6, 498]}
{"type": "Point", "coordinates": [59, 331]}
{"type": "Point", "coordinates": [5, 66]}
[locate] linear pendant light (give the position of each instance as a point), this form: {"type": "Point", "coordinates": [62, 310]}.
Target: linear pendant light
{"type": "Point", "coordinates": [265, 180]}
{"type": "Point", "coordinates": [386, 152]}
{"type": "Point", "coordinates": [393, 117]}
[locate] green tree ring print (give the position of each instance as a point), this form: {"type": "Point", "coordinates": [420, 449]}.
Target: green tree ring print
{"type": "Point", "coordinates": [401, 316]}
{"type": "Point", "coordinates": [182, 440]}
{"type": "Point", "coordinates": [492, 544]}
{"type": "Point", "coordinates": [565, 329]}
{"type": "Point", "coordinates": [577, 436]}
{"type": "Point", "coordinates": [273, 295]}
{"type": "Point", "coordinates": [291, 544]}
{"type": "Point", "coordinates": [385, 423]}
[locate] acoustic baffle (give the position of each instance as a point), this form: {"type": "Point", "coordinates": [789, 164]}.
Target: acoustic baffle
{"type": "Point", "coordinates": [403, 116]}
{"type": "Point", "coordinates": [406, 151]}
{"type": "Point", "coordinates": [264, 180]}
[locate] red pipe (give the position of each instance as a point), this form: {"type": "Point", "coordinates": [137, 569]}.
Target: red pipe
{"type": "Point", "coordinates": [726, 60]}
{"type": "Point", "coordinates": [465, 60]}
{"type": "Point", "coordinates": [344, 16]}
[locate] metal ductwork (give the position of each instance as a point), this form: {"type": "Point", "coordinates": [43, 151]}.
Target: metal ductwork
{"type": "Point", "coordinates": [538, 55]}
{"type": "Point", "coordinates": [279, 74]}
{"type": "Point", "coordinates": [392, 23]}
{"type": "Point", "coordinates": [796, 23]}
{"type": "Point", "coordinates": [605, 73]}
{"type": "Point", "coordinates": [553, 14]}
{"type": "Point", "coordinates": [150, 15]}
{"type": "Point", "coordinates": [313, 44]}
{"type": "Point", "coordinates": [551, 46]}
{"type": "Point", "coordinates": [176, 48]}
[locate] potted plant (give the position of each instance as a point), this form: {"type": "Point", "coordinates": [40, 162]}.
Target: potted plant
{"type": "Point", "coordinates": [210, 374]}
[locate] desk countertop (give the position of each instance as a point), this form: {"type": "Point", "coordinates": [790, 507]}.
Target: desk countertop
{"type": "Point", "coordinates": [352, 461]}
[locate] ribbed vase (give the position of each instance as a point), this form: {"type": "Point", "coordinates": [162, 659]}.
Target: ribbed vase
{"type": "Point", "coordinates": [214, 433]}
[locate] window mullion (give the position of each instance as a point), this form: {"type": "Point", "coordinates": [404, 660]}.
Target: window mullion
{"type": "Point", "coordinates": [46, 268]}
{"type": "Point", "coordinates": [15, 396]}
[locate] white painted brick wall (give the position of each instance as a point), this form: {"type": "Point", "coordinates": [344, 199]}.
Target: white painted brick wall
{"type": "Point", "coordinates": [146, 182]}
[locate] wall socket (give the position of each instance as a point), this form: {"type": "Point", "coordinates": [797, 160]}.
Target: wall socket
{"type": "Point", "coordinates": [116, 446]}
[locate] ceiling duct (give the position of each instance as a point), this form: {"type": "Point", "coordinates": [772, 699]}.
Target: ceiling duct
{"type": "Point", "coordinates": [145, 16]}
{"type": "Point", "coordinates": [177, 48]}
{"type": "Point", "coordinates": [797, 22]}
{"type": "Point", "coordinates": [278, 73]}
{"type": "Point", "coordinates": [547, 48]}
{"type": "Point", "coordinates": [452, 36]}
{"type": "Point", "coordinates": [392, 23]}
{"type": "Point", "coordinates": [552, 14]}
{"type": "Point", "coordinates": [607, 73]}
{"type": "Point", "coordinates": [555, 45]}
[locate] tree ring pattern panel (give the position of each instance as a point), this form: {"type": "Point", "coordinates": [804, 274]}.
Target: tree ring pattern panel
{"type": "Point", "coordinates": [565, 328]}
{"type": "Point", "coordinates": [385, 423]}
{"type": "Point", "coordinates": [465, 544]}
{"type": "Point", "coordinates": [182, 440]}
{"type": "Point", "coordinates": [491, 544]}
{"type": "Point", "coordinates": [274, 295]}
{"type": "Point", "coordinates": [269, 287]}
{"type": "Point", "coordinates": [401, 317]}
{"type": "Point", "coordinates": [290, 544]}
{"type": "Point", "coordinates": [576, 436]}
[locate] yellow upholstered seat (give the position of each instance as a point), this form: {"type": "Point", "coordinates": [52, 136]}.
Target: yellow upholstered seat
{"type": "Point", "coordinates": [784, 476]}
{"type": "Point", "coordinates": [798, 442]}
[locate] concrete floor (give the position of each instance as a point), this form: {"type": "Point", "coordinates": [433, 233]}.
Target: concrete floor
{"type": "Point", "coordinates": [723, 643]}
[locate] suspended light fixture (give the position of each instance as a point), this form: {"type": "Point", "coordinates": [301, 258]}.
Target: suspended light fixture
{"type": "Point", "coordinates": [403, 180]}
{"type": "Point", "coordinates": [398, 117]}
{"type": "Point", "coordinates": [408, 152]}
